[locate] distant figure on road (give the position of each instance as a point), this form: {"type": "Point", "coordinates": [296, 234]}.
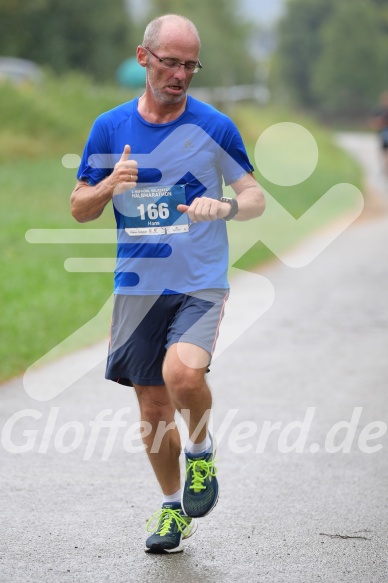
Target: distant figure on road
{"type": "Point", "coordinates": [380, 123]}
{"type": "Point", "coordinates": [161, 159]}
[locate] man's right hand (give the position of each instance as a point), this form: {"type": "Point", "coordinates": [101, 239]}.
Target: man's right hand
{"type": "Point", "coordinates": [88, 202]}
{"type": "Point", "coordinates": [125, 173]}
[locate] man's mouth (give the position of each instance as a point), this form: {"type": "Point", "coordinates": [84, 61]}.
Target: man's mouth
{"type": "Point", "coordinates": [177, 88]}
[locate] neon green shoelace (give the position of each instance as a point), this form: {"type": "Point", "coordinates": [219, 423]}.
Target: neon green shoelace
{"type": "Point", "coordinates": [201, 470]}
{"type": "Point", "coordinates": [160, 522]}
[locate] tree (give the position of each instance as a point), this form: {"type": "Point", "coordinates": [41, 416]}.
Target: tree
{"type": "Point", "coordinates": [92, 36]}
{"type": "Point", "coordinates": [351, 68]}
{"type": "Point", "coordinates": [299, 47]}
{"type": "Point", "coordinates": [333, 56]}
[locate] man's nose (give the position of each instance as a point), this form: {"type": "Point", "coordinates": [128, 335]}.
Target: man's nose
{"type": "Point", "coordinates": [180, 72]}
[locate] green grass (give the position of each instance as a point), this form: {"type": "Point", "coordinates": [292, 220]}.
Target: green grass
{"type": "Point", "coordinates": [334, 166]}
{"type": "Point", "coordinates": [42, 303]}
{"type": "Point", "coordinates": [53, 118]}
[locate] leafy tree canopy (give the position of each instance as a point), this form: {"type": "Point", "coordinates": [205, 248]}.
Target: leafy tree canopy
{"type": "Point", "coordinates": [92, 36]}
{"type": "Point", "coordinates": [95, 36]}
{"type": "Point", "coordinates": [333, 56]}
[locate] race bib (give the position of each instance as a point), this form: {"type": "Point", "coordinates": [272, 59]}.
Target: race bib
{"type": "Point", "coordinates": [153, 210]}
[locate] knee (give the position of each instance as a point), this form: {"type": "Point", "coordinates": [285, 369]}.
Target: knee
{"type": "Point", "coordinates": [183, 381]}
{"type": "Point", "coordinates": [154, 409]}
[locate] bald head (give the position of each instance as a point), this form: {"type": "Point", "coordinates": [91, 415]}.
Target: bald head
{"type": "Point", "coordinates": [166, 26]}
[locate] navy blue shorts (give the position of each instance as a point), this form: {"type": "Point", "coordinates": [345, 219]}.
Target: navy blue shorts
{"type": "Point", "coordinates": [144, 327]}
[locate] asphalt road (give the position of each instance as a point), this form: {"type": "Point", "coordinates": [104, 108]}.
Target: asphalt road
{"type": "Point", "coordinates": [300, 409]}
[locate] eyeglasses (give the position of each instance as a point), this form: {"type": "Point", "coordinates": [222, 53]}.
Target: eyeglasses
{"type": "Point", "coordinates": [190, 66]}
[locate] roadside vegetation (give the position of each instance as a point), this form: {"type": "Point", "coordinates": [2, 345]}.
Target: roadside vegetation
{"type": "Point", "coordinates": [41, 302]}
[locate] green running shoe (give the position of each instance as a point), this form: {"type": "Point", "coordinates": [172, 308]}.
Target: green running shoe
{"type": "Point", "coordinates": [170, 527]}
{"type": "Point", "coordinates": [200, 494]}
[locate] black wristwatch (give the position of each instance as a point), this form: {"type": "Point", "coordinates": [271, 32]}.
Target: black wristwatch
{"type": "Point", "coordinates": [233, 207]}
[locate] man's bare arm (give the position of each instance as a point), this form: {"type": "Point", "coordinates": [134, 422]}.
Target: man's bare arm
{"type": "Point", "coordinates": [88, 202]}
{"type": "Point", "coordinates": [250, 199]}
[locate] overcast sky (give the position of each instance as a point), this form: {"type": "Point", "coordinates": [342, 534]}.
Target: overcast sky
{"type": "Point", "coordinates": [265, 11]}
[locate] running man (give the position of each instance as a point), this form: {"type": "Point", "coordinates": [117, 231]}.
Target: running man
{"type": "Point", "coordinates": [380, 124]}
{"type": "Point", "coordinates": [161, 159]}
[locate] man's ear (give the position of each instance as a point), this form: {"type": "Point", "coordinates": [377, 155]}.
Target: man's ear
{"type": "Point", "coordinates": [142, 56]}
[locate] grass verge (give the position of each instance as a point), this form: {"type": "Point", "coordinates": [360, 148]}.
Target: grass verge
{"type": "Point", "coordinates": [42, 303]}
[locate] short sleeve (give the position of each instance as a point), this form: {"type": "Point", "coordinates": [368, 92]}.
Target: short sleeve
{"type": "Point", "coordinates": [96, 162]}
{"type": "Point", "coordinates": [235, 162]}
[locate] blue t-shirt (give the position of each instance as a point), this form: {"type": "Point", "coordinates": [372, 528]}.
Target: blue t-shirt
{"type": "Point", "coordinates": [198, 152]}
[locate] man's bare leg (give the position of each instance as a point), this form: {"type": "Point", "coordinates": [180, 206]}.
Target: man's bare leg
{"type": "Point", "coordinates": [184, 370]}
{"type": "Point", "coordinates": [163, 445]}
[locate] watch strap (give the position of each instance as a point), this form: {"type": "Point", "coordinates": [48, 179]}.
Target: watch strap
{"type": "Point", "coordinates": [233, 207]}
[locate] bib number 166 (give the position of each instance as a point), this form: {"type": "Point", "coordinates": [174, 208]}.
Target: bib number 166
{"type": "Point", "coordinates": [153, 211]}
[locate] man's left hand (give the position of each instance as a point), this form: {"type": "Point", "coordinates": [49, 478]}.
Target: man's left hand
{"type": "Point", "coordinates": [205, 209]}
